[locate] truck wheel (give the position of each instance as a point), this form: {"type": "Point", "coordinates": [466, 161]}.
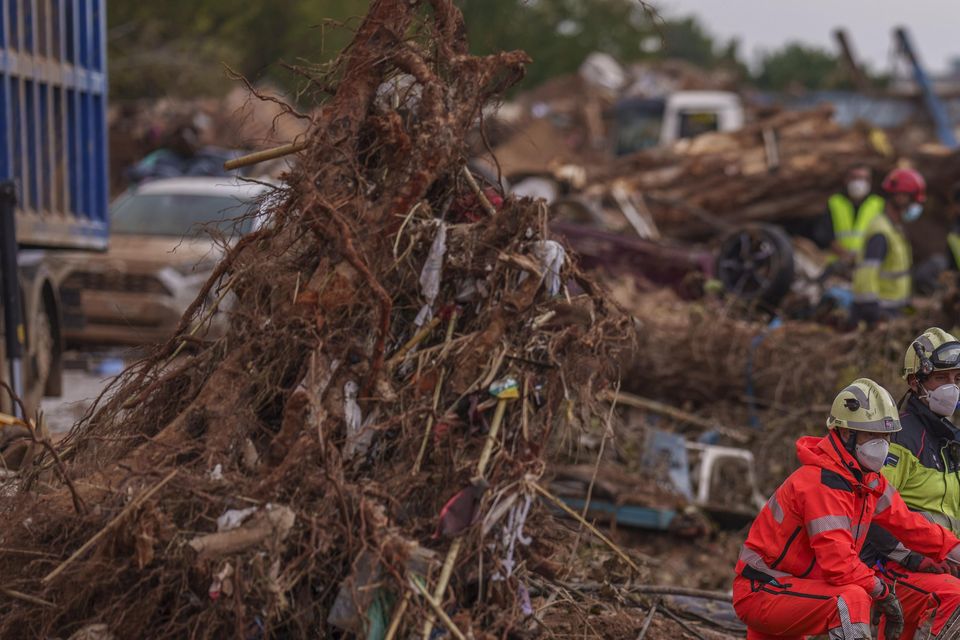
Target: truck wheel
{"type": "Point", "coordinates": [755, 263]}
{"type": "Point", "coordinates": [39, 362]}
{"type": "Point", "coordinates": [44, 348]}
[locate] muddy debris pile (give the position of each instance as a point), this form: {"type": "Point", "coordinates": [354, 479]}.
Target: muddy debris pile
{"type": "Point", "coordinates": [364, 451]}
{"type": "Point", "coordinates": [755, 383]}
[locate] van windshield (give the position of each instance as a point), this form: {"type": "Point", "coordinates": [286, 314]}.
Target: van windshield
{"type": "Point", "coordinates": [179, 214]}
{"type": "Point", "coordinates": [694, 123]}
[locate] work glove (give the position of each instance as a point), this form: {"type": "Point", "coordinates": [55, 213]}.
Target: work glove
{"type": "Point", "coordinates": [888, 606]}
{"type": "Point", "coordinates": [928, 565]}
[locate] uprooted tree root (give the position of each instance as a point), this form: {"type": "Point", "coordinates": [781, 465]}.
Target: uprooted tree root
{"type": "Point", "coordinates": [264, 419]}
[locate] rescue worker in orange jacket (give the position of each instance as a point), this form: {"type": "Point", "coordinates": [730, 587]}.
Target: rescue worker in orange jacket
{"type": "Point", "coordinates": [799, 571]}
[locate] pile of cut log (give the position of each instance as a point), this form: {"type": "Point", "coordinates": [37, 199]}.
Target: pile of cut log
{"type": "Point", "coordinates": [780, 169]}
{"type": "Point", "coordinates": [777, 169]}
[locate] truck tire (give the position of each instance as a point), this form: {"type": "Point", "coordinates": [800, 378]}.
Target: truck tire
{"type": "Point", "coordinates": [44, 350]}
{"type": "Point", "coordinates": [41, 361]}
{"type": "Point", "coordinates": [755, 264]}
{"type": "Point", "coordinates": [37, 362]}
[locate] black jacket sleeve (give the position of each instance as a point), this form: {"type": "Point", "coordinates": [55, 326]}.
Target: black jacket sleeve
{"type": "Point", "coordinates": [876, 247]}
{"type": "Point", "coordinates": [823, 234]}
{"type": "Point", "coordinates": [881, 545]}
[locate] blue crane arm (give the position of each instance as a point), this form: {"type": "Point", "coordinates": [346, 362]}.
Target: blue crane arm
{"type": "Point", "coordinates": [938, 112]}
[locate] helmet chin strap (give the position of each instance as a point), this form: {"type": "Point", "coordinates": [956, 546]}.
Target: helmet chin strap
{"type": "Point", "coordinates": [922, 392]}
{"type": "Point", "coordinates": [850, 443]}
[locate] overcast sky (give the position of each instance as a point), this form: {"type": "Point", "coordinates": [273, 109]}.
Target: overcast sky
{"type": "Point", "coordinates": [767, 24]}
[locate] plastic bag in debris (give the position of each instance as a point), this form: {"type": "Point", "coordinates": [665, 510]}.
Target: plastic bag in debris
{"type": "Point", "coordinates": [351, 410]}
{"type": "Point", "coordinates": [552, 256]}
{"type": "Point", "coordinates": [523, 595]}
{"type": "Point", "coordinates": [399, 92]}
{"type": "Point", "coordinates": [355, 595]}
{"type": "Point", "coordinates": [471, 290]}
{"type": "Point", "coordinates": [430, 274]}
{"type": "Point", "coordinates": [460, 511]}
{"type": "Point", "coordinates": [96, 631]}
{"type": "Point", "coordinates": [513, 533]}
{"type": "Point", "coordinates": [359, 431]}
{"type": "Point", "coordinates": [233, 518]}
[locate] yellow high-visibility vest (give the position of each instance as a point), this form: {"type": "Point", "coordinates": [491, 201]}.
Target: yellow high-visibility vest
{"type": "Point", "coordinates": [886, 281]}
{"type": "Point", "coordinates": [953, 241]}
{"type": "Point", "coordinates": [849, 225]}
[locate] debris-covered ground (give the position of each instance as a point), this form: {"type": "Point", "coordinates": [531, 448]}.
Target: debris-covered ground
{"type": "Point", "coordinates": [366, 449]}
{"type": "Point", "coordinates": [423, 408]}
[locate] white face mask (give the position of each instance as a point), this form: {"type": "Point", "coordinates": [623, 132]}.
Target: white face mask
{"type": "Point", "coordinates": [873, 453]}
{"type": "Point", "coordinates": [913, 212]}
{"type": "Point", "coordinates": [858, 188]}
{"type": "Point", "coordinates": [943, 399]}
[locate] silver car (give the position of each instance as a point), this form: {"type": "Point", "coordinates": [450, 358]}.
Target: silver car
{"type": "Point", "coordinates": [162, 250]}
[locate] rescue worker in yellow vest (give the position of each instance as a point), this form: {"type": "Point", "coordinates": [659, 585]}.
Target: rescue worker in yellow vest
{"type": "Point", "coordinates": [923, 464]}
{"type": "Point", "coordinates": [882, 281]}
{"type": "Point", "coordinates": [842, 227]}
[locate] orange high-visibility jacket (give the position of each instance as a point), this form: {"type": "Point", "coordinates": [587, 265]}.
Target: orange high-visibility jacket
{"type": "Point", "coordinates": [815, 524]}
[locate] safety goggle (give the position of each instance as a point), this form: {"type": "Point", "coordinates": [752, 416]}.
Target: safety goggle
{"type": "Point", "coordinates": [946, 356]}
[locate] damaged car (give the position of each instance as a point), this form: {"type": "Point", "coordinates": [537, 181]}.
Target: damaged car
{"type": "Point", "coordinates": [166, 237]}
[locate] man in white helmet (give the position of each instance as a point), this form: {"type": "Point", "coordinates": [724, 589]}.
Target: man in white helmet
{"type": "Point", "coordinates": [799, 572]}
{"type": "Point", "coordinates": [925, 457]}
{"type": "Point", "coordinates": [924, 466]}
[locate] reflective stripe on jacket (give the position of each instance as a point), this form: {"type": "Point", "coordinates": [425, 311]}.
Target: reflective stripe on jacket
{"type": "Point", "coordinates": [849, 225]}
{"type": "Point", "coordinates": [815, 524]}
{"type": "Point", "coordinates": [924, 460]}
{"type": "Point", "coordinates": [886, 281]}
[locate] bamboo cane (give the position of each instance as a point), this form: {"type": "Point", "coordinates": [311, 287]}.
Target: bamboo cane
{"type": "Point", "coordinates": [451, 559]}
{"type": "Point", "coordinates": [267, 154]}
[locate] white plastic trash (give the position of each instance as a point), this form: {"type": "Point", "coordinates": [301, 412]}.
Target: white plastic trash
{"type": "Point", "coordinates": [216, 474]}
{"type": "Point", "coordinates": [351, 410]}
{"type": "Point", "coordinates": [430, 274]}
{"type": "Point", "coordinates": [552, 256]}
{"type": "Point", "coordinates": [233, 518]}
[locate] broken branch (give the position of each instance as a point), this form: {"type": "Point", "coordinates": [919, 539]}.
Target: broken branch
{"type": "Point", "coordinates": [134, 504]}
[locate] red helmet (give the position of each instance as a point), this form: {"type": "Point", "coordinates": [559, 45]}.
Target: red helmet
{"type": "Point", "coordinates": [906, 181]}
